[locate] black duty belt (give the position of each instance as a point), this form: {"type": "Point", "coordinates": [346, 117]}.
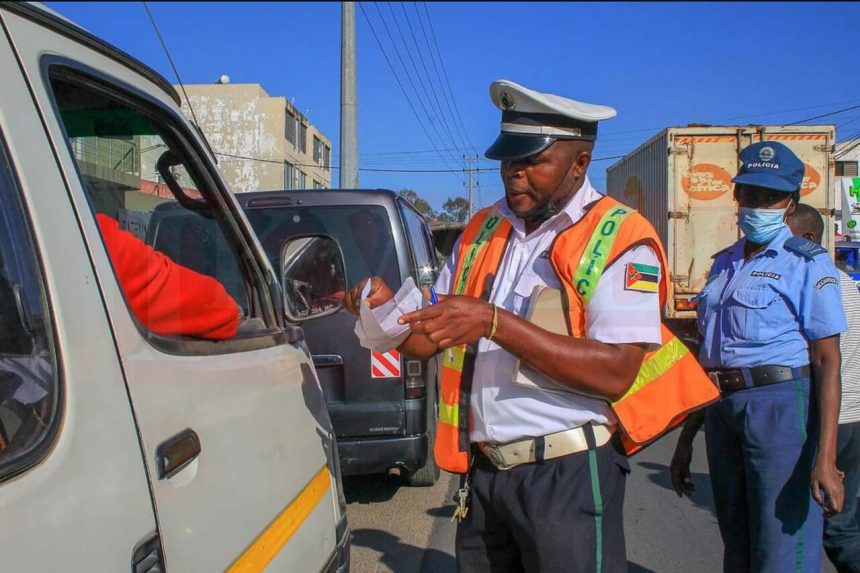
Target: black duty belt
{"type": "Point", "coordinates": [734, 379]}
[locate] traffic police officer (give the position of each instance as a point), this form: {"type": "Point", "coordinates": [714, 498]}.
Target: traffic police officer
{"type": "Point", "coordinates": [547, 484]}
{"type": "Point", "coordinates": [771, 304]}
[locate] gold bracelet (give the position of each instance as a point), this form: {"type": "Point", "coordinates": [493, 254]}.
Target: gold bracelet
{"type": "Point", "coordinates": [495, 324]}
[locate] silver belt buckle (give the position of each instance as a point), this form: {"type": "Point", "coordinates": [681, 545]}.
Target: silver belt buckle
{"type": "Point", "coordinates": [715, 378]}
{"type": "Point", "coordinates": [494, 455]}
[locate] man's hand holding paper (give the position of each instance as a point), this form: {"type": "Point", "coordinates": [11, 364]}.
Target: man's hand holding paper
{"type": "Point", "coordinates": [378, 327]}
{"type": "Point", "coordinates": [455, 320]}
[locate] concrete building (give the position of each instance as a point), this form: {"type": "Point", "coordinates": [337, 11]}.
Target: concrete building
{"type": "Point", "coordinates": [262, 142]}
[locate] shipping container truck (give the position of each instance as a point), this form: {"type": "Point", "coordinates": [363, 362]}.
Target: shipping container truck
{"type": "Point", "coordinates": [680, 180]}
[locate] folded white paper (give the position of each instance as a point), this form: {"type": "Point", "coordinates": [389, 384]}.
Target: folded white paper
{"type": "Point", "coordinates": [377, 328]}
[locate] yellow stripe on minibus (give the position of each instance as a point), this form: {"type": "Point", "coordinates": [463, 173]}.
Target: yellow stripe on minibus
{"type": "Point", "coordinates": [278, 533]}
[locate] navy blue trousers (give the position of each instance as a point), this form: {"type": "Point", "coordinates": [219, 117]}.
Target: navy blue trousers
{"type": "Point", "coordinates": [842, 532]}
{"type": "Point", "coordinates": [563, 515]}
{"type": "Point", "coordinates": [761, 445]}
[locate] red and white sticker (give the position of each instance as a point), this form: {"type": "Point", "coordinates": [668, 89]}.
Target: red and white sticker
{"type": "Point", "coordinates": [385, 364]}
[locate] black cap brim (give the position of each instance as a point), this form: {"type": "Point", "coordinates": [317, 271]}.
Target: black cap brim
{"type": "Point", "coordinates": [511, 146]}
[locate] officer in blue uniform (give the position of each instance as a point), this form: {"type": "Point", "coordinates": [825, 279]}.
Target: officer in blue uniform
{"type": "Point", "coordinates": [770, 317]}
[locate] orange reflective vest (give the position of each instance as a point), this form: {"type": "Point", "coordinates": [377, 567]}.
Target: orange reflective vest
{"type": "Point", "coordinates": [670, 383]}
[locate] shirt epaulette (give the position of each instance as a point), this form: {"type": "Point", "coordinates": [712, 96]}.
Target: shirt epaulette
{"type": "Point", "coordinates": [720, 252]}
{"type": "Point", "coordinates": [804, 247]}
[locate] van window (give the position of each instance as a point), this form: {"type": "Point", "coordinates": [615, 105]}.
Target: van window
{"type": "Point", "coordinates": [424, 263]}
{"type": "Point", "coordinates": [141, 184]}
{"type": "Point", "coordinates": [28, 382]}
{"type": "Point", "coordinates": [362, 231]}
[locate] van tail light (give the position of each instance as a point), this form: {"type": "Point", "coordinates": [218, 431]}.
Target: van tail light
{"type": "Point", "coordinates": [685, 303]}
{"type": "Point", "coordinates": [415, 384]}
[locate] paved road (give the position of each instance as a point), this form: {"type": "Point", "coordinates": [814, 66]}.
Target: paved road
{"type": "Point", "coordinates": [408, 530]}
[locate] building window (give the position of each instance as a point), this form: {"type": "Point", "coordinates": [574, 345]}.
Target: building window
{"type": "Point", "coordinates": [289, 176]}
{"type": "Point", "coordinates": [846, 169]}
{"type": "Point", "coordinates": [296, 130]}
{"type": "Point", "coordinates": [290, 128]}
{"type": "Point", "coordinates": [318, 151]}
{"type": "Point", "coordinates": [322, 154]}
{"type": "Point", "coordinates": [300, 184]}
{"type": "Point", "coordinates": [302, 143]}
{"type": "Point", "coordinates": [318, 184]}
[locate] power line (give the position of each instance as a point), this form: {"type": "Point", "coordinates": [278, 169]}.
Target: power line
{"type": "Point", "coordinates": [825, 115]}
{"type": "Point", "coordinates": [746, 116]}
{"type": "Point", "coordinates": [777, 112]}
{"type": "Point", "coordinates": [399, 83]}
{"type": "Point", "coordinates": [444, 71]}
{"type": "Point", "coordinates": [408, 75]}
{"type": "Point", "coordinates": [461, 129]}
{"type": "Point", "coordinates": [170, 59]}
{"type": "Point", "coordinates": [848, 148]}
{"type": "Point", "coordinates": [446, 117]}
{"type": "Point", "coordinates": [432, 91]}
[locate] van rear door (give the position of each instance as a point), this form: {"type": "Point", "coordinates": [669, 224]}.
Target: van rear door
{"type": "Point", "coordinates": [702, 209]}
{"type": "Point", "coordinates": [364, 389]}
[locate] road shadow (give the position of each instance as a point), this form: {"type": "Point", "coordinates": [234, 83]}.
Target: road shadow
{"type": "Point", "coordinates": [374, 488]}
{"type": "Point", "coordinates": [636, 568]}
{"type": "Point", "coordinates": [402, 557]}
{"type": "Point", "coordinates": [702, 497]}
{"type": "Point", "coordinates": [444, 511]}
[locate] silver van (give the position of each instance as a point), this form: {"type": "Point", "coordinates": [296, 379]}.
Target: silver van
{"type": "Point", "coordinates": [383, 406]}
{"type": "Point", "coordinates": [132, 437]}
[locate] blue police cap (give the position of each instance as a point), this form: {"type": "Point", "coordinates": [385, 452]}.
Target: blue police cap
{"type": "Point", "coordinates": [772, 165]}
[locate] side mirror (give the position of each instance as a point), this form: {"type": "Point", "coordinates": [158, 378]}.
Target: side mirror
{"type": "Point", "coordinates": [313, 277]}
{"type": "Point", "coordinates": [426, 275]}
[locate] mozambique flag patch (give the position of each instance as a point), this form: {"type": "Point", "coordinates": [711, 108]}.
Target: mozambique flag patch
{"type": "Point", "coordinates": [642, 278]}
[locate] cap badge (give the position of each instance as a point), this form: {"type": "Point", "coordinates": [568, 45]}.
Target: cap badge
{"type": "Point", "coordinates": [508, 101]}
{"type": "Point", "coordinates": [766, 154]}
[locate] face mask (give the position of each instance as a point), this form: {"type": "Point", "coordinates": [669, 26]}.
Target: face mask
{"type": "Point", "coordinates": [761, 225]}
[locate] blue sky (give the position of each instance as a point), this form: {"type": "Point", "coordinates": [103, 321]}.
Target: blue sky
{"type": "Point", "coordinates": [659, 64]}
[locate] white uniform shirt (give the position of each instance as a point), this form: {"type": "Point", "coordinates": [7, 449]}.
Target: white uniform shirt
{"type": "Point", "coordinates": [502, 411]}
{"type": "Point", "coordinates": [849, 345]}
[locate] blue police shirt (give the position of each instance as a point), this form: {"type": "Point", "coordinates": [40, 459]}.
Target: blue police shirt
{"type": "Point", "coordinates": [765, 310]}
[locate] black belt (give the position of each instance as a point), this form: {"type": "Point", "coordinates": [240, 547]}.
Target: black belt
{"type": "Point", "coordinates": [734, 379]}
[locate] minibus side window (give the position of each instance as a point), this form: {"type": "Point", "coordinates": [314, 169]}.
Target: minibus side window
{"type": "Point", "coordinates": [180, 273]}
{"type": "Point", "coordinates": [29, 387]}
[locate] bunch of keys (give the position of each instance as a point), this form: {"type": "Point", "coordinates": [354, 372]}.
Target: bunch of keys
{"type": "Point", "coordinates": [461, 497]}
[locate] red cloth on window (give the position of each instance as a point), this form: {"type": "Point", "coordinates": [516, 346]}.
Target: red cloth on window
{"type": "Point", "coordinates": [167, 298]}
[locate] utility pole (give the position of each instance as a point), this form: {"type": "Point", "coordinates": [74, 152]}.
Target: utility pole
{"type": "Point", "coordinates": [348, 103]}
{"type": "Point", "coordinates": [469, 185]}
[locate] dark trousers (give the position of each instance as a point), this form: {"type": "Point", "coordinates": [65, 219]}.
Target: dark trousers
{"type": "Point", "coordinates": [560, 515]}
{"type": "Point", "coordinates": [761, 445]}
{"type": "Point", "coordinates": [841, 532]}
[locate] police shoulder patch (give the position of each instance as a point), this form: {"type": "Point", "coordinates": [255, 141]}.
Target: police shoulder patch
{"type": "Point", "coordinates": [804, 247]}
{"type": "Point", "coordinates": [826, 281]}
